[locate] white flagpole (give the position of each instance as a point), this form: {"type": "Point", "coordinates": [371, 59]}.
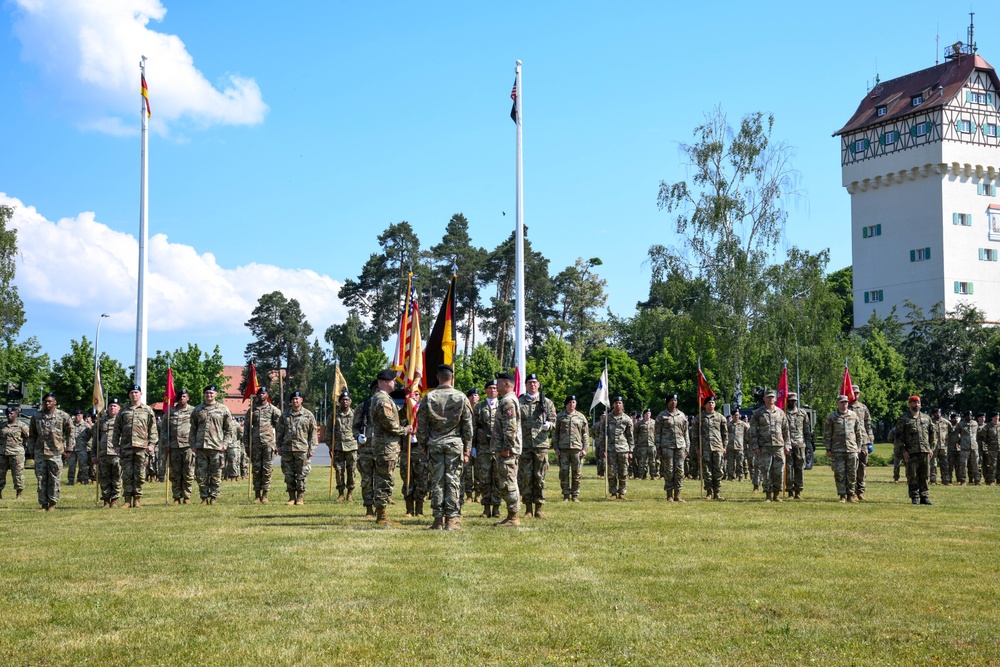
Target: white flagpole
{"type": "Point", "coordinates": [519, 329]}
{"type": "Point", "coordinates": [142, 318]}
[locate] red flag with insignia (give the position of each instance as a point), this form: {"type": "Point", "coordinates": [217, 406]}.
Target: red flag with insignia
{"type": "Point", "coordinates": [252, 385]}
{"type": "Point", "coordinates": [782, 398]}
{"type": "Point", "coordinates": [704, 391]}
{"type": "Point", "coordinates": [169, 395]}
{"type": "Point", "coordinates": [846, 387]}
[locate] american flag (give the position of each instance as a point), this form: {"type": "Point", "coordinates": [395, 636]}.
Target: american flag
{"type": "Point", "coordinates": [513, 107]}
{"type": "Point", "coordinates": [408, 361]}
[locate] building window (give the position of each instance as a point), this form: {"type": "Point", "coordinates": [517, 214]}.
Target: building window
{"type": "Point", "coordinates": [916, 100]}
{"type": "Point", "coordinates": [881, 111]}
{"type": "Point", "coordinates": [920, 129]}
{"type": "Point", "coordinates": [889, 138]}
{"type": "Point", "coordinates": [859, 146]}
{"type": "Point", "coordinates": [978, 98]}
{"type": "Point", "coordinates": [873, 296]}
{"type": "Point", "coordinates": [990, 130]}
{"type": "Point", "coordinates": [963, 288]}
{"type": "Point", "coordinates": [987, 189]}
{"type": "Point", "coordinates": [988, 254]}
{"type": "Point", "coordinates": [961, 219]}
{"type": "Point", "coordinates": [966, 126]}
{"type": "Point", "coordinates": [920, 254]}
{"type": "Point", "coordinates": [870, 231]}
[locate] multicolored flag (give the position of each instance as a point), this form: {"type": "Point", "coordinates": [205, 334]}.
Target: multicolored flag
{"type": "Point", "coordinates": [441, 343]}
{"type": "Point", "coordinates": [145, 96]}
{"type": "Point", "coordinates": [704, 390]}
{"type": "Point", "coordinates": [846, 387]}
{"type": "Point", "coordinates": [782, 398]}
{"type": "Point", "coordinates": [252, 386]}
{"type": "Point", "coordinates": [513, 107]}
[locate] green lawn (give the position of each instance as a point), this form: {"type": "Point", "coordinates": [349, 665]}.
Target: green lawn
{"type": "Point", "coordinates": [597, 583]}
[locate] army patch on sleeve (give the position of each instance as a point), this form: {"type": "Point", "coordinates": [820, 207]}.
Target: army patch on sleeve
{"type": "Point", "coordinates": [510, 413]}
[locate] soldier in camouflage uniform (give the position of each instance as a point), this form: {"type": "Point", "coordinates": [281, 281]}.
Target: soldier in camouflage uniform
{"type": "Point", "coordinates": [153, 458]}
{"type": "Point", "coordinates": [175, 443]}
{"type": "Point", "coordinates": [297, 439]}
{"type": "Point", "coordinates": [483, 416]}
{"type": "Point", "coordinates": [939, 459]}
{"type": "Point", "coordinates": [211, 430]}
{"type": "Point", "coordinates": [538, 418]}
{"type": "Point", "coordinates": [645, 445]}
{"type": "Point", "coordinates": [954, 450]}
{"type": "Point", "coordinates": [989, 444]}
{"type": "Point", "coordinates": [261, 421]}
{"type": "Point", "coordinates": [506, 445]}
{"type": "Point", "coordinates": [769, 439]}
{"type": "Point", "coordinates": [571, 438]}
{"type": "Point", "coordinates": [49, 433]}
{"type": "Point", "coordinates": [13, 440]}
{"type": "Point", "coordinates": [344, 448]}
{"type": "Point", "coordinates": [78, 458]}
{"type": "Point", "coordinates": [864, 448]}
{"type": "Point", "coordinates": [914, 443]}
{"type": "Point", "coordinates": [714, 437]}
{"type": "Point", "coordinates": [739, 442]}
{"type": "Point", "coordinates": [444, 433]}
{"type": "Point", "coordinates": [600, 452]}
{"type": "Point", "coordinates": [671, 433]}
{"type": "Point", "coordinates": [385, 442]}
{"type": "Point", "coordinates": [363, 430]}
{"type": "Point", "coordinates": [413, 462]}
{"type": "Point", "coordinates": [799, 434]}
{"type": "Point", "coordinates": [968, 455]}
{"type": "Point", "coordinates": [234, 452]}
{"type": "Point", "coordinates": [470, 483]}
{"type": "Point", "coordinates": [133, 436]}
{"type": "Point", "coordinates": [842, 435]}
{"type": "Point", "coordinates": [109, 466]}
{"type": "Point", "coordinates": [619, 441]}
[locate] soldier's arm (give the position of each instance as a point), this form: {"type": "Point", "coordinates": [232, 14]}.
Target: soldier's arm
{"type": "Point", "coordinates": [467, 428]}
{"type": "Point", "coordinates": [116, 432]}
{"type": "Point", "coordinates": [154, 430]}
{"type": "Point", "coordinates": [423, 411]}
{"type": "Point", "coordinates": [868, 425]}
{"type": "Point", "coordinates": [629, 436]}
{"type": "Point", "coordinates": [828, 434]}
{"type": "Point", "coordinates": [32, 434]}
{"type": "Point", "coordinates": [586, 436]}
{"type": "Point", "coordinates": [313, 434]}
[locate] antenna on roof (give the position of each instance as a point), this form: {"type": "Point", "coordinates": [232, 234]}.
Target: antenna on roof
{"type": "Point", "coordinates": [972, 32]}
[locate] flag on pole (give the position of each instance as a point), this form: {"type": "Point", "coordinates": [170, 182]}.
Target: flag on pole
{"type": "Point", "coordinates": [441, 343]}
{"type": "Point", "coordinates": [98, 391]}
{"type": "Point", "coordinates": [252, 385]}
{"type": "Point", "coordinates": [704, 391]}
{"type": "Point", "coordinates": [513, 107]}
{"type": "Point", "coordinates": [401, 355]}
{"type": "Point", "coordinates": [145, 96]}
{"type": "Point", "coordinates": [846, 387]}
{"type": "Point", "coordinates": [783, 389]}
{"type": "Point", "coordinates": [169, 396]}
{"type": "Point", "coordinates": [601, 395]}
{"type": "Point", "coordinates": [339, 384]}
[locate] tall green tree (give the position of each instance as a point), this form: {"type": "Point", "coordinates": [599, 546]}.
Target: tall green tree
{"type": "Point", "coordinates": [456, 250]}
{"type": "Point", "coordinates": [281, 341]}
{"type": "Point", "coordinates": [366, 366]}
{"type": "Point", "coordinates": [11, 306]}
{"type": "Point", "coordinates": [580, 294]}
{"type": "Point", "coordinates": [475, 369]}
{"type": "Point", "coordinates": [192, 368]}
{"type": "Point", "coordinates": [841, 283]}
{"type": "Point", "coordinates": [624, 379]}
{"type": "Point", "coordinates": [981, 386]}
{"type": "Point", "coordinates": [349, 338]}
{"type": "Point", "coordinates": [731, 217]}
{"type": "Point", "coordinates": [23, 364]}
{"type": "Point", "coordinates": [558, 366]}
{"type": "Point", "coordinates": [72, 377]}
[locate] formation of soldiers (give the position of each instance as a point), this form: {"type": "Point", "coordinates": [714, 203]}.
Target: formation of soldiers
{"type": "Point", "coordinates": [464, 448]}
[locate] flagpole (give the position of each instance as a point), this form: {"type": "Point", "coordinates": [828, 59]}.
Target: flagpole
{"type": "Point", "coordinates": [784, 468]}
{"type": "Point", "coordinates": [607, 470]}
{"type": "Point", "coordinates": [519, 328]}
{"type": "Point", "coordinates": [142, 317]}
{"type": "Point", "coordinates": [98, 408]}
{"type": "Point", "coordinates": [701, 465]}
{"type": "Point", "coordinates": [333, 432]}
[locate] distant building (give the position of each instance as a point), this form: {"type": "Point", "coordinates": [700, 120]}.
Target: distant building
{"type": "Point", "coordinates": [921, 161]}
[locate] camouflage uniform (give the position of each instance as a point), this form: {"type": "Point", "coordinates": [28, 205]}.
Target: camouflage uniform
{"type": "Point", "coordinates": [645, 448]}
{"type": "Point", "coordinates": [78, 458]}
{"type": "Point", "coordinates": [13, 438]}
{"type": "Point", "coordinates": [413, 460]}
{"type": "Point", "coordinates": [714, 437]}
{"type": "Point", "coordinates": [364, 425]}
{"type": "Point", "coordinates": [234, 452]}
{"type": "Point", "coordinates": [444, 431]}
{"type": "Point", "coordinates": [989, 444]}
{"type": "Point", "coordinates": [297, 439]}
{"type": "Point", "coordinates": [109, 471]}
{"type": "Point", "coordinates": [244, 451]}
{"type": "Point", "coordinates": [153, 470]}
{"type": "Point", "coordinates": [799, 433]}
{"type": "Point", "coordinates": [769, 435]}
{"type": "Point", "coordinates": [571, 439]}
{"type": "Point", "coordinates": [600, 453]}
{"type": "Point", "coordinates": [484, 414]}
{"type": "Point", "coordinates": [260, 423]}
{"type": "Point", "coordinates": [343, 449]}
{"type": "Point", "coordinates": [506, 437]}
{"type": "Point", "coordinates": [955, 454]}
{"type": "Point", "coordinates": [916, 437]}
{"type": "Point", "coordinates": [134, 433]}
{"type": "Point", "coordinates": [385, 446]}
{"type": "Point", "coordinates": [211, 429]}
{"type": "Point", "coordinates": [968, 455]}
{"type": "Point", "coordinates": [842, 435]}
{"type": "Point", "coordinates": [942, 429]}
{"type": "Point", "coordinates": [865, 417]}
{"type": "Point", "coordinates": [534, 461]}
{"type": "Point", "coordinates": [619, 442]}
{"type": "Point", "coordinates": [48, 435]}
{"type": "Point", "coordinates": [739, 442]}
{"type": "Point", "coordinates": [671, 432]}
{"type": "Point", "coordinates": [177, 428]}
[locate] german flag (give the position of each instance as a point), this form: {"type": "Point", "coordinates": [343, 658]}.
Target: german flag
{"type": "Point", "coordinates": [441, 343]}
{"type": "Point", "coordinates": [145, 95]}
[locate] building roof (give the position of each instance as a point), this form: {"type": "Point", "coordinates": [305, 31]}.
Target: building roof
{"type": "Point", "coordinates": [938, 85]}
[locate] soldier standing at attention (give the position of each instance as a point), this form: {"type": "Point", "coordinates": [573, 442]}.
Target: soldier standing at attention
{"type": "Point", "coordinates": [954, 450]}
{"type": "Point", "coordinates": [108, 459]}
{"type": "Point", "coordinates": [344, 452]}
{"type": "Point", "coordinates": [571, 439]}
{"type": "Point", "coordinates": [78, 451]}
{"type": "Point", "coordinates": [297, 439]}
{"type": "Point", "coordinates": [842, 435]}
{"type": "Point", "coordinates": [618, 439]}
{"type": "Point", "coordinates": [412, 462]}
{"type": "Point", "coordinates": [506, 443]}
{"type": "Point", "coordinates": [769, 439]}
{"type": "Point", "coordinates": [261, 422]}
{"type": "Point", "coordinates": [713, 448]}
{"type": "Point", "coordinates": [968, 456]}
{"type": "Point", "coordinates": [385, 445]}
{"type": "Point", "coordinates": [13, 438]}
{"type": "Point", "coordinates": [363, 431]}
{"type": "Point", "coordinates": [483, 416]}
{"type": "Point", "coordinates": [671, 432]}
{"type": "Point", "coordinates": [941, 430]}
{"type": "Point", "coordinates": [134, 433]}
{"type": "Point", "coordinates": [865, 446]}
{"type": "Point", "coordinates": [469, 482]}
{"type": "Point", "coordinates": [175, 438]}
{"type": "Point", "coordinates": [444, 432]}
{"type": "Point", "coordinates": [49, 433]}
{"type": "Point", "coordinates": [990, 444]}
{"type": "Point", "coordinates": [538, 417]}
{"type": "Point", "coordinates": [645, 445]}
{"type": "Point", "coordinates": [914, 442]}
{"type": "Point", "coordinates": [799, 434]}
{"type": "Point", "coordinates": [739, 440]}
{"type": "Point", "coordinates": [211, 428]}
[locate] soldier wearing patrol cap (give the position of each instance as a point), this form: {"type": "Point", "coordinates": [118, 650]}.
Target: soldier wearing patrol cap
{"type": "Point", "coordinates": [968, 456]}
{"type": "Point", "coordinates": [76, 453]}
{"type": "Point", "coordinates": [49, 433]}
{"type": "Point", "coordinates": [645, 445]}
{"type": "Point", "coordinates": [619, 444]}
{"type": "Point", "coordinates": [714, 439]}
{"type": "Point", "coordinates": [538, 418]}
{"type": "Point", "coordinates": [470, 487]}
{"type": "Point", "coordinates": [385, 445]}
{"type": "Point", "coordinates": [989, 439]}
{"type": "Point", "coordinates": [571, 438]}
{"type": "Point", "coordinates": [939, 459]}
{"type": "Point", "coordinates": [363, 430]}
{"type": "Point", "coordinates": [297, 440]}
{"type": "Point", "coordinates": [211, 428]}
{"type": "Point", "coordinates": [800, 435]}
{"type": "Point", "coordinates": [134, 433]}
{"type": "Point", "coordinates": [13, 439]}
{"type": "Point", "coordinates": [506, 444]}
{"type": "Point", "coordinates": [769, 439]}
{"type": "Point", "coordinates": [914, 442]}
{"type": "Point", "coordinates": [484, 414]}
{"type": "Point", "coordinates": [344, 448]}
{"type": "Point", "coordinates": [864, 448]}
{"type": "Point", "coordinates": [109, 467]}
{"type": "Point", "coordinates": [842, 435]}
{"type": "Point", "coordinates": [671, 432]}
{"type": "Point", "coordinates": [175, 443]}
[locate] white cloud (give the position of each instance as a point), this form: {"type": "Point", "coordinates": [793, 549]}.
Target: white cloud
{"type": "Point", "coordinates": [90, 51]}
{"type": "Point", "coordinates": [76, 262]}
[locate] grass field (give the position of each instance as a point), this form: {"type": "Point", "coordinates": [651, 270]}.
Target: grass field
{"type": "Point", "coordinates": [597, 583]}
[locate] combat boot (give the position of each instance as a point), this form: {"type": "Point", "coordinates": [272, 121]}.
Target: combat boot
{"type": "Point", "coordinates": [717, 496]}
{"type": "Point", "coordinates": [256, 497]}
{"type": "Point", "coordinates": [767, 496]}
{"type": "Point", "coordinates": [670, 496]}
{"type": "Point", "coordinates": [291, 498]}
{"type": "Point", "coordinates": [576, 499]}
{"type": "Point", "coordinates": [453, 523]}
{"type": "Point", "coordinates": [350, 496]}
{"type": "Point", "coordinates": [496, 511]}
{"type": "Point", "coordinates": [135, 502]}
{"type": "Point", "coordinates": [382, 520]}
{"type": "Point", "coordinates": [777, 497]}
{"type": "Point", "coordinates": [565, 497]}
{"type": "Point", "coordinates": [487, 512]}
{"type": "Point", "coordinates": [51, 507]}
{"type": "Point", "coordinates": [861, 496]}
{"type": "Point", "coordinates": [369, 511]}
{"type": "Point", "coordinates": [527, 512]}
{"type": "Point", "coordinates": [843, 498]}
{"type": "Point", "coordinates": [512, 520]}
{"type": "Point", "coordinates": [851, 499]}
{"type": "Point", "coordinates": [798, 495]}
{"type": "Point", "coordinates": [418, 508]}
{"type": "Point", "coordinates": [127, 503]}
{"type": "Point", "coordinates": [538, 511]}
{"type": "Point", "coordinates": [300, 498]}
{"type": "Point", "coordinates": [340, 496]}
{"type": "Point", "coordinates": [263, 498]}
{"type": "Point", "coordinates": [19, 495]}
{"type": "Point", "coordinates": [409, 508]}
{"type": "Point", "coordinates": [438, 524]}
{"type": "Point", "coordinates": [677, 496]}
{"type": "Point", "coordinates": [113, 504]}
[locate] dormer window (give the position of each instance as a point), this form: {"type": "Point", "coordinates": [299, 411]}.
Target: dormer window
{"type": "Point", "coordinates": [881, 111]}
{"type": "Point", "coordinates": [917, 100]}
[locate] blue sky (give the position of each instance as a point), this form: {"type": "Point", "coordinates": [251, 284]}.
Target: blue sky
{"type": "Point", "coordinates": [285, 137]}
